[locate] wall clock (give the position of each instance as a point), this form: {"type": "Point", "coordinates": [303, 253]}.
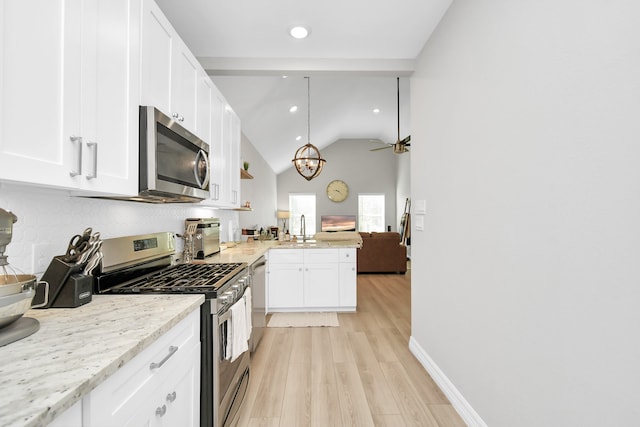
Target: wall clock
{"type": "Point", "coordinates": [337, 190]}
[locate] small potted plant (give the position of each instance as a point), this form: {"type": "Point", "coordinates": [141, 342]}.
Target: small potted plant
{"type": "Point", "coordinates": [245, 165]}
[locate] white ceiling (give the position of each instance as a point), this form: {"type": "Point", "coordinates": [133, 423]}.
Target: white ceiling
{"type": "Point", "coordinates": [353, 54]}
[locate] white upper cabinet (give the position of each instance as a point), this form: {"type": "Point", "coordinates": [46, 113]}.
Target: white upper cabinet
{"type": "Point", "coordinates": [232, 125]}
{"type": "Point", "coordinates": [68, 104]}
{"type": "Point", "coordinates": [224, 156]}
{"type": "Point", "coordinates": [169, 70]}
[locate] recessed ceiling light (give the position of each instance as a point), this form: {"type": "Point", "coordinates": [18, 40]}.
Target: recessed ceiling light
{"type": "Point", "coordinates": [284, 77]}
{"type": "Point", "coordinates": [376, 110]}
{"type": "Point", "coordinates": [293, 109]}
{"type": "Point", "coordinates": [299, 32]}
{"type": "Point", "coordinates": [298, 138]}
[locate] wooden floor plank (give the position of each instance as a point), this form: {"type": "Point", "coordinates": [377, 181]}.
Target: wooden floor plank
{"type": "Point", "coordinates": [413, 410]}
{"type": "Point", "coordinates": [354, 408]}
{"type": "Point", "coordinates": [361, 373]}
{"type": "Point", "coordinates": [296, 403]}
{"type": "Point", "coordinates": [271, 388]}
{"type": "Point", "coordinates": [325, 401]}
{"type": "Point", "coordinates": [373, 381]}
{"type": "Point", "coordinates": [446, 416]}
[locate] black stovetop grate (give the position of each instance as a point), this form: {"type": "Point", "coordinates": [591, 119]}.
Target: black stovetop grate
{"type": "Point", "coordinates": [184, 278]}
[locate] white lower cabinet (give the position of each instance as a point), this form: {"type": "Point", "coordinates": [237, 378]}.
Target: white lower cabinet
{"type": "Point", "coordinates": [348, 278]}
{"type": "Point", "coordinates": [311, 279]}
{"type": "Point", "coordinates": [72, 417]}
{"type": "Point", "coordinates": [159, 387]}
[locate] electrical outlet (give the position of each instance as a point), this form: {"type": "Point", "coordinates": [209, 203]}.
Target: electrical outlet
{"type": "Point", "coordinates": [42, 254]}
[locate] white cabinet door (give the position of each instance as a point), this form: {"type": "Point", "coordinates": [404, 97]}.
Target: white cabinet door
{"type": "Point", "coordinates": [204, 94]}
{"type": "Point", "coordinates": [110, 93]}
{"type": "Point", "coordinates": [217, 150]}
{"type": "Point", "coordinates": [321, 285]}
{"type": "Point", "coordinates": [184, 83]}
{"type": "Point", "coordinates": [179, 401]}
{"type": "Point", "coordinates": [41, 82]}
{"type": "Point", "coordinates": [169, 70]}
{"type": "Point", "coordinates": [72, 417]}
{"type": "Point", "coordinates": [230, 191]}
{"type": "Point", "coordinates": [224, 154]}
{"type": "Point", "coordinates": [155, 58]}
{"type": "Point", "coordinates": [234, 159]}
{"type": "Point", "coordinates": [285, 284]}
{"type": "Point", "coordinates": [141, 395]}
{"type": "Point", "coordinates": [69, 99]}
{"type": "Point", "coordinates": [348, 285]}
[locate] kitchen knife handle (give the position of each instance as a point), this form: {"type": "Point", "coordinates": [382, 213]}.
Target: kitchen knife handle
{"type": "Point", "coordinates": [172, 350]}
{"type": "Point", "coordinates": [77, 140]}
{"type": "Point", "coordinates": [94, 148]}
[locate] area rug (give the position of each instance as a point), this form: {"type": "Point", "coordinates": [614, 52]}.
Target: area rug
{"type": "Point", "coordinates": [303, 320]}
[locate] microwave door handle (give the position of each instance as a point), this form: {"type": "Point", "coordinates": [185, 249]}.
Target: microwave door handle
{"type": "Point", "coordinates": [203, 155]}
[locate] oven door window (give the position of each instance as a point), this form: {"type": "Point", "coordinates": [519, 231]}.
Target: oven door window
{"type": "Point", "coordinates": [179, 161]}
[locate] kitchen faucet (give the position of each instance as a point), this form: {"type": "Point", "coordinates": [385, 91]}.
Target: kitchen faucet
{"type": "Point", "coordinates": [303, 228]}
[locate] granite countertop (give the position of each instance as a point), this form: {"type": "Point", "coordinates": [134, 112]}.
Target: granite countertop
{"type": "Point", "coordinates": [251, 250]}
{"type": "Point", "coordinates": [77, 349]}
{"type": "Point", "coordinates": [248, 252]}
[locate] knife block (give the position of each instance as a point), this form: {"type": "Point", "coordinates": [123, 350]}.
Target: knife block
{"type": "Point", "coordinates": [68, 288]}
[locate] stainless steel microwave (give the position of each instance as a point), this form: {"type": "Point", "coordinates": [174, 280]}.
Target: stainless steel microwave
{"type": "Point", "coordinates": [174, 163]}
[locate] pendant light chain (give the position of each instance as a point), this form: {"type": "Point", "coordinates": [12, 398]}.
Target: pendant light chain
{"type": "Point", "coordinates": [308, 110]}
{"type": "Point", "coordinates": [307, 159]}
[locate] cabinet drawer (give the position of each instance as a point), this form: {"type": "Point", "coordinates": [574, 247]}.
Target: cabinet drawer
{"type": "Point", "coordinates": [286, 256]}
{"type": "Point", "coordinates": [347, 254]}
{"type": "Point", "coordinates": [315, 256]}
{"type": "Point", "coordinates": [121, 392]}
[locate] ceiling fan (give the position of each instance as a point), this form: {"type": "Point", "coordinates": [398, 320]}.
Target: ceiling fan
{"type": "Point", "coordinates": [400, 146]}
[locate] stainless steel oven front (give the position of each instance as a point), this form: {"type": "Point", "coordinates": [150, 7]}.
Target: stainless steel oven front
{"type": "Point", "coordinates": [231, 371]}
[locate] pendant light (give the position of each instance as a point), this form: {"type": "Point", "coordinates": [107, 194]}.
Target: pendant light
{"type": "Point", "coordinates": [307, 159]}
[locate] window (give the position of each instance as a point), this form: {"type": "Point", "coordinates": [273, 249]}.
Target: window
{"type": "Point", "coordinates": [371, 212]}
{"type": "Point", "coordinates": [302, 204]}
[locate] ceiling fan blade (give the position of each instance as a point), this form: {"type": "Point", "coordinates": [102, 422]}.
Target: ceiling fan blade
{"type": "Point", "coordinates": [406, 140]}
{"type": "Point", "coordinates": [381, 148]}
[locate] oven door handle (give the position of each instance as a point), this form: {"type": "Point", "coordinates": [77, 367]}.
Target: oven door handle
{"type": "Point", "coordinates": [224, 317]}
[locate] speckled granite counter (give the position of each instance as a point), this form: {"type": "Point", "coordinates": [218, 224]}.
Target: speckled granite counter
{"type": "Point", "coordinates": [77, 349]}
{"type": "Point", "coordinates": [252, 250]}
{"type": "Point", "coordinates": [242, 252]}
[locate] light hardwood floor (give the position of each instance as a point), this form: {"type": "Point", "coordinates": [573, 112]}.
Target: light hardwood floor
{"type": "Point", "coordinates": [359, 374]}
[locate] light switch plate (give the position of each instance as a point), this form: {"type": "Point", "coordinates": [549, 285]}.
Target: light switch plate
{"type": "Point", "coordinates": [419, 221]}
{"type": "Point", "coordinates": [420, 206]}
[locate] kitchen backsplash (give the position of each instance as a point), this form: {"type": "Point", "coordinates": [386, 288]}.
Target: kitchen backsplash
{"type": "Point", "coordinates": [48, 218]}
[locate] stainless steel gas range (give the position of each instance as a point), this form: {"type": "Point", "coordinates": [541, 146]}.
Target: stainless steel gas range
{"type": "Point", "coordinates": [144, 264]}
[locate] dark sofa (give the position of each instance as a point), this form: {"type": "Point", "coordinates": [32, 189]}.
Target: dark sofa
{"type": "Point", "coordinates": [382, 253]}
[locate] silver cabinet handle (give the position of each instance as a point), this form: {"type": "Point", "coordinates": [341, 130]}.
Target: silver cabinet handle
{"type": "Point", "coordinates": [172, 350]}
{"type": "Point", "coordinates": [175, 115]}
{"type": "Point", "coordinates": [161, 410]}
{"type": "Point", "coordinates": [94, 147]}
{"type": "Point", "coordinates": [171, 397]}
{"type": "Point", "coordinates": [181, 119]}
{"type": "Point", "coordinates": [78, 141]}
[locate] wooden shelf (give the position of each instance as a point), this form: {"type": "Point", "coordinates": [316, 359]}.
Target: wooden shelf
{"type": "Point", "coordinates": [243, 209]}
{"type": "Point", "coordinates": [245, 175]}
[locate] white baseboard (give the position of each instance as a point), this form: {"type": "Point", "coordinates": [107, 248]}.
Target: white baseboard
{"type": "Point", "coordinates": [459, 403]}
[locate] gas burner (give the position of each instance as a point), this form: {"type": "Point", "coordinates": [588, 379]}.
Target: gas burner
{"type": "Point", "coordinates": [184, 278]}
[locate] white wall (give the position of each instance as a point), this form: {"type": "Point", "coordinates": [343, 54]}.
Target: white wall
{"type": "Point", "coordinates": [350, 160]}
{"type": "Point", "coordinates": [526, 280]}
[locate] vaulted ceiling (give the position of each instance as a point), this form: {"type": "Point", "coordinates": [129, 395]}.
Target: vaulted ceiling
{"type": "Point", "coordinates": [353, 54]}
